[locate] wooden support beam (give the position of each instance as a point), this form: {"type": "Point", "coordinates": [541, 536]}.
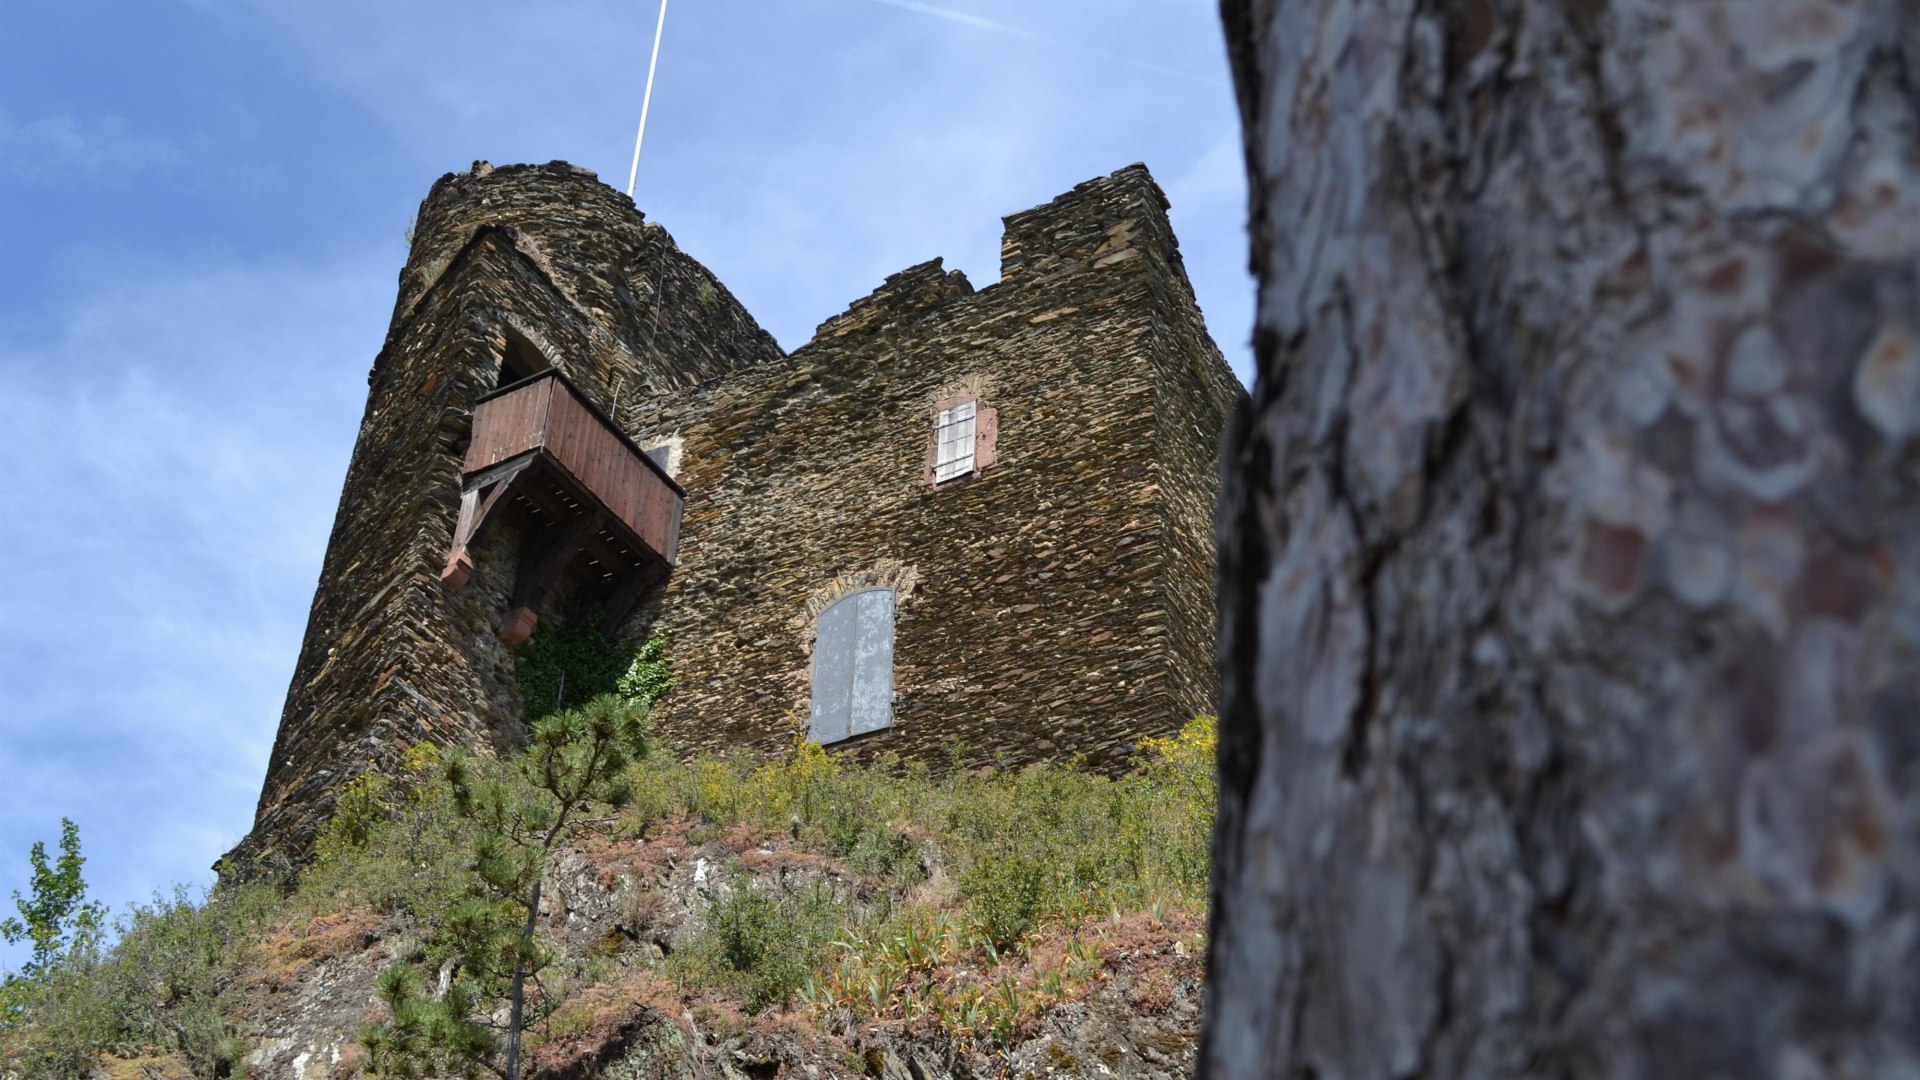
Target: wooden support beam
{"type": "Point", "coordinates": [613, 555]}
{"type": "Point", "coordinates": [627, 594]}
{"type": "Point", "coordinates": [565, 522]}
{"type": "Point", "coordinates": [542, 557]}
{"type": "Point", "coordinates": [635, 570]}
{"type": "Point", "coordinates": [477, 502]}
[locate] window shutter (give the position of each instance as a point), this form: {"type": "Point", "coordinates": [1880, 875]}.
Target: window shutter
{"type": "Point", "coordinates": [986, 438]}
{"type": "Point", "coordinates": [872, 705]}
{"type": "Point", "coordinates": [853, 667]}
{"type": "Point", "coordinates": [833, 674]}
{"type": "Point", "coordinates": [955, 442]}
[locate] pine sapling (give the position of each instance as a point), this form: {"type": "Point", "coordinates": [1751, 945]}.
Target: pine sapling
{"type": "Point", "coordinates": [522, 811]}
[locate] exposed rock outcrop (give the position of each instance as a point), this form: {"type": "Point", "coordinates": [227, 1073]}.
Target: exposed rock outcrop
{"type": "Point", "coordinates": [1134, 1014]}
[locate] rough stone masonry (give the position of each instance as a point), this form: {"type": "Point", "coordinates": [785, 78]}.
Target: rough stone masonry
{"type": "Point", "coordinates": [1049, 580]}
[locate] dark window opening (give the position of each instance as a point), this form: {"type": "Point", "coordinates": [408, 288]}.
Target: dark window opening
{"type": "Point", "coordinates": [519, 359]}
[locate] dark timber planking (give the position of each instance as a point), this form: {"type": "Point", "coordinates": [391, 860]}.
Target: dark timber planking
{"type": "Point", "coordinates": [545, 414]}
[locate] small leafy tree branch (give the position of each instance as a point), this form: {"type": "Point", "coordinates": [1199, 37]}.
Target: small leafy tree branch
{"type": "Point", "coordinates": [57, 917]}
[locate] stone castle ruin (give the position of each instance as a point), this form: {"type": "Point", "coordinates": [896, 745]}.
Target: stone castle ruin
{"type": "Point", "coordinates": [963, 517]}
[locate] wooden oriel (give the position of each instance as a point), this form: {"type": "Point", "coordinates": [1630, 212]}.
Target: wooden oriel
{"type": "Point", "coordinates": [541, 444]}
{"type": "Point", "coordinates": [544, 414]}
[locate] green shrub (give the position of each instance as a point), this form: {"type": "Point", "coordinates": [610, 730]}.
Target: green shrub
{"type": "Point", "coordinates": [357, 813]}
{"type": "Point", "coordinates": [167, 985]}
{"type": "Point", "coordinates": [885, 852]}
{"type": "Point", "coordinates": [1011, 851]}
{"type": "Point", "coordinates": [516, 813]}
{"type": "Point", "coordinates": [396, 847]}
{"type": "Point", "coordinates": [761, 945]}
{"type": "Point", "coordinates": [1006, 896]}
{"type": "Point", "coordinates": [1106, 845]}
{"type": "Point", "coordinates": [60, 1025]}
{"type": "Point", "coordinates": [1051, 841]}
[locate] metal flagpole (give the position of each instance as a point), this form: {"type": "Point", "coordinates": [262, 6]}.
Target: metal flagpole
{"type": "Point", "coordinates": [646, 101]}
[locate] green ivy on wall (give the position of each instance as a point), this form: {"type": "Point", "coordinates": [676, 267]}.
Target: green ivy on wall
{"type": "Point", "coordinates": [570, 664]}
{"type": "Point", "coordinates": [651, 672]}
{"type": "Point", "coordinates": [566, 665]}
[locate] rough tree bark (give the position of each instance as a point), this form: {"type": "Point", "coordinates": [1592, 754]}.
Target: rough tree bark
{"type": "Point", "coordinates": [1571, 546]}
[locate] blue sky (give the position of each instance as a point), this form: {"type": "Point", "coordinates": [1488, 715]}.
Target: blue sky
{"type": "Point", "coordinates": [203, 206]}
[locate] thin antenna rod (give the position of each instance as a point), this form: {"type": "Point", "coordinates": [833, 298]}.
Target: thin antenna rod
{"type": "Point", "coordinates": [660, 28]}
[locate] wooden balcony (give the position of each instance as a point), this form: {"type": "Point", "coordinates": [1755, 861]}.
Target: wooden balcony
{"type": "Point", "coordinates": [582, 490]}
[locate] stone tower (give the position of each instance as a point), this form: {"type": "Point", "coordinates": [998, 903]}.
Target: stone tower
{"type": "Point", "coordinates": [955, 517]}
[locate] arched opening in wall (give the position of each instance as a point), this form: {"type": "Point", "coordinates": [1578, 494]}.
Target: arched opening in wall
{"type": "Point", "coordinates": [853, 667]}
{"type": "Point", "coordinates": [519, 359]}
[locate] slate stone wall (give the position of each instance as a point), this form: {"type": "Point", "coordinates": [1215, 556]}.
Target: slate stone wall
{"type": "Point", "coordinates": [390, 657]}
{"type": "Point", "coordinates": [657, 318]}
{"type": "Point", "coordinates": [1058, 603]}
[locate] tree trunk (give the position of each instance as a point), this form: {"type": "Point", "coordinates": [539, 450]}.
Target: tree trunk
{"type": "Point", "coordinates": [1570, 547]}
{"type": "Point", "coordinates": [517, 997]}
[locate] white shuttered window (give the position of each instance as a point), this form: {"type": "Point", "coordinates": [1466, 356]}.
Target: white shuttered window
{"type": "Point", "coordinates": [953, 441]}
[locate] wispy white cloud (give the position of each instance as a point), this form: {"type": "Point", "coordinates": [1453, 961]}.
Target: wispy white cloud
{"type": "Point", "coordinates": [802, 148]}
{"type": "Point", "coordinates": [188, 426]}
{"type": "Point", "coordinates": [1214, 181]}
{"type": "Point", "coordinates": [952, 15]}
{"type": "Point", "coordinates": [1206, 192]}
{"type": "Point", "coordinates": [981, 23]}
{"type": "Point", "coordinates": [52, 147]}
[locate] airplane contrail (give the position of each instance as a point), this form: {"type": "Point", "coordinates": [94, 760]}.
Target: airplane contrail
{"type": "Point", "coordinates": [957, 16]}
{"type": "Point", "coordinates": [979, 23]}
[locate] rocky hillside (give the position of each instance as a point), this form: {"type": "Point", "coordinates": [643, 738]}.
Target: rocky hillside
{"type": "Point", "coordinates": [711, 917]}
{"type": "Point", "coordinates": [1106, 997]}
